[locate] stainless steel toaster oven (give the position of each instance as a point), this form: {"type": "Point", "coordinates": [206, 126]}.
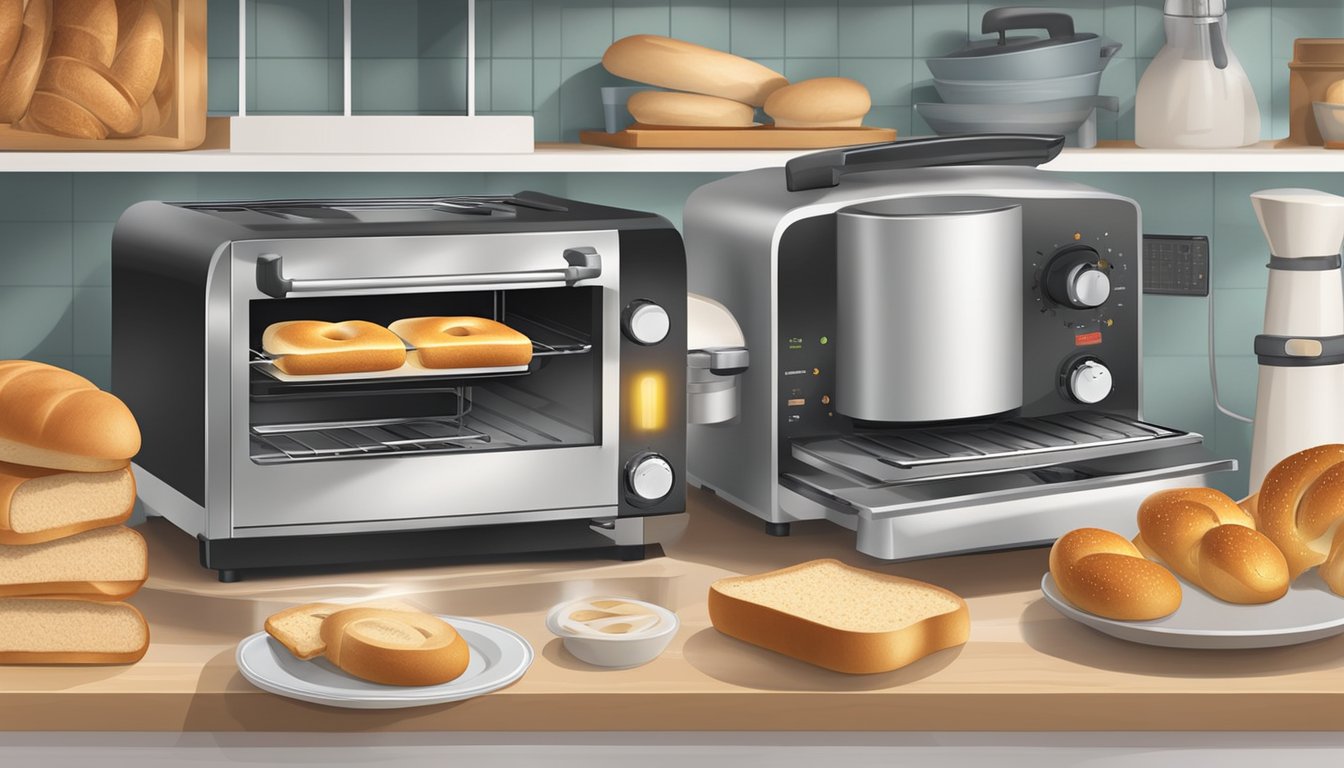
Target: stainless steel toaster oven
{"type": "Point", "coordinates": [571, 451]}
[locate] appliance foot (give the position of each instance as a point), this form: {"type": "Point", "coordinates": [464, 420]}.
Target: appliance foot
{"type": "Point", "coordinates": [629, 552]}
{"type": "Point", "coordinates": [229, 575]}
{"type": "Point", "coordinates": [777, 529]}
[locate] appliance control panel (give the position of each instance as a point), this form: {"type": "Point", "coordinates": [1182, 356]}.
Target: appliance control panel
{"type": "Point", "coordinates": [1176, 265]}
{"type": "Point", "coordinates": [1081, 286]}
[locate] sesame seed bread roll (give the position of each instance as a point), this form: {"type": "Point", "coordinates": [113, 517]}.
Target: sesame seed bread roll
{"type": "Point", "coordinates": [38, 505]}
{"type": "Point", "coordinates": [683, 66]}
{"type": "Point", "coordinates": [52, 418]}
{"type": "Point", "coordinates": [1301, 509]}
{"type": "Point", "coordinates": [839, 617]}
{"type": "Point", "coordinates": [58, 631]}
{"type": "Point", "coordinates": [822, 102]}
{"type": "Point", "coordinates": [1205, 538]}
{"type": "Point", "coordinates": [689, 109]}
{"type": "Point", "coordinates": [1101, 572]}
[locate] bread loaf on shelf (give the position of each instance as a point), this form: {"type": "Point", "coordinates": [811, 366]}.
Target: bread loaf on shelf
{"type": "Point", "coordinates": [101, 564]}
{"type": "Point", "coordinates": [1300, 508]}
{"type": "Point", "coordinates": [85, 29]}
{"type": "Point", "coordinates": [682, 66]}
{"type": "Point", "coordinates": [1102, 572]}
{"type": "Point", "coordinates": [310, 347]}
{"type": "Point", "coordinates": [38, 505]}
{"type": "Point", "coordinates": [463, 342]}
{"type": "Point", "coordinates": [840, 617]}
{"type": "Point", "coordinates": [58, 631]}
{"type": "Point", "coordinates": [689, 109]}
{"type": "Point", "coordinates": [56, 419]}
{"type": "Point", "coordinates": [1208, 540]}
{"type": "Point", "coordinates": [822, 102]}
{"type": "Point", "coordinates": [11, 29]}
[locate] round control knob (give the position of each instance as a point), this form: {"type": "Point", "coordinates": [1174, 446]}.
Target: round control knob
{"type": "Point", "coordinates": [1075, 278]}
{"type": "Point", "coordinates": [650, 477]}
{"type": "Point", "coordinates": [646, 322]}
{"type": "Point", "coordinates": [1089, 382]}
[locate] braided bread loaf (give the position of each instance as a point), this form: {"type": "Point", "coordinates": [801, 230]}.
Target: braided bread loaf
{"type": "Point", "coordinates": [1300, 508]}
{"type": "Point", "coordinates": [1208, 540]}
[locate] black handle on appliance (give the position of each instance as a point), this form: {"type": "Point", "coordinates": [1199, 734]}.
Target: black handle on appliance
{"type": "Point", "coordinates": [1216, 45]}
{"type": "Point", "coordinates": [824, 169]}
{"type": "Point", "coordinates": [1001, 20]}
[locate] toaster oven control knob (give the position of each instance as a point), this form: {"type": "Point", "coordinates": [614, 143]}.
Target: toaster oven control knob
{"type": "Point", "coordinates": [1090, 381]}
{"type": "Point", "coordinates": [1077, 278]}
{"type": "Point", "coordinates": [650, 477]}
{"type": "Point", "coordinates": [646, 322]}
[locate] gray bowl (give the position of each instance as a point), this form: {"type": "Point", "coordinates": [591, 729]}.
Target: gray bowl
{"type": "Point", "coordinates": [1077, 58]}
{"type": "Point", "coordinates": [1018, 91]}
{"type": "Point", "coordinates": [1075, 119]}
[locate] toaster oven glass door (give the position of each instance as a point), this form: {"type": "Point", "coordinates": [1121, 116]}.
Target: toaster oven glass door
{"type": "Point", "coordinates": [350, 451]}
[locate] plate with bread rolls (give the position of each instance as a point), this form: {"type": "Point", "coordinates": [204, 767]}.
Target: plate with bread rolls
{"type": "Point", "coordinates": [380, 655]}
{"type": "Point", "coordinates": [1205, 571]}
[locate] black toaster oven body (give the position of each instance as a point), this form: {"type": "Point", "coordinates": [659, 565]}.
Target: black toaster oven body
{"type": "Point", "coordinates": [166, 256]}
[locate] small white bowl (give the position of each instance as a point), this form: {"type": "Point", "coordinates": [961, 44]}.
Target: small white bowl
{"type": "Point", "coordinates": [614, 650]}
{"type": "Point", "coordinates": [1329, 120]}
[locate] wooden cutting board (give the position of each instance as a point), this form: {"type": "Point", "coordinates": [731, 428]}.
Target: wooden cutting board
{"type": "Point", "coordinates": [759, 137]}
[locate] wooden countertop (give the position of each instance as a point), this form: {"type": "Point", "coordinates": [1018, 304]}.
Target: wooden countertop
{"type": "Point", "coordinates": [1025, 667]}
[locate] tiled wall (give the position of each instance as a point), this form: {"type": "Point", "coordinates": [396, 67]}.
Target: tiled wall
{"type": "Point", "coordinates": [543, 56]}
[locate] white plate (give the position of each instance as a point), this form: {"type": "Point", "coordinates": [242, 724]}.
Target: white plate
{"type": "Point", "coordinates": [1310, 611]}
{"type": "Point", "coordinates": [499, 656]}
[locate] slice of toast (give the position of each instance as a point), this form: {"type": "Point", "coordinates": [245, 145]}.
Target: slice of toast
{"type": "Point", "coordinates": [840, 617]}
{"type": "Point", "coordinates": [57, 631]}
{"type": "Point", "coordinates": [299, 629]}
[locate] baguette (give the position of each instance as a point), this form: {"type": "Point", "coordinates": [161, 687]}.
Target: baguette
{"type": "Point", "coordinates": [102, 564]}
{"type": "Point", "coordinates": [683, 66]}
{"type": "Point", "coordinates": [86, 30]}
{"type": "Point", "coordinates": [822, 102]}
{"type": "Point", "coordinates": [20, 79]}
{"type": "Point", "coordinates": [56, 419]}
{"type": "Point", "coordinates": [140, 44]}
{"type": "Point", "coordinates": [39, 505]}
{"type": "Point", "coordinates": [1103, 573]}
{"type": "Point", "coordinates": [839, 617]}
{"type": "Point", "coordinates": [56, 631]}
{"type": "Point", "coordinates": [11, 29]}
{"type": "Point", "coordinates": [689, 109]}
{"type": "Point", "coordinates": [1208, 540]}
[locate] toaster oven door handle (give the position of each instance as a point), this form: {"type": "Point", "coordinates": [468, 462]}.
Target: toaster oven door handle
{"type": "Point", "coordinates": [583, 264]}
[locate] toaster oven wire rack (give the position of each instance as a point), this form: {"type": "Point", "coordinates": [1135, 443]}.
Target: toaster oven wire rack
{"type": "Point", "coordinates": [485, 420]}
{"type": "Point", "coordinates": [265, 363]}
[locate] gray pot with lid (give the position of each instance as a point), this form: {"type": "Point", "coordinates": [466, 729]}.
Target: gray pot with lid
{"type": "Point", "coordinates": [1063, 52]}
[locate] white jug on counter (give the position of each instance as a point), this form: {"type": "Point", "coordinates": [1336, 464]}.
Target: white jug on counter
{"type": "Point", "coordinates": [1194, 94]}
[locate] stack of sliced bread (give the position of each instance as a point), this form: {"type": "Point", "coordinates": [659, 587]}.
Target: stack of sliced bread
{"type": "Point", "coordinates": [66, 562]}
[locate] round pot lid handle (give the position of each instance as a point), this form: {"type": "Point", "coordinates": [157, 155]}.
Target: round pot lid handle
{"type": "Point", "coordinates": [1002, 20]}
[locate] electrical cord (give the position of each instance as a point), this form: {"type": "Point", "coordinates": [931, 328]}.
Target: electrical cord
{"type": "Point", "coordinates": [1213, 360]}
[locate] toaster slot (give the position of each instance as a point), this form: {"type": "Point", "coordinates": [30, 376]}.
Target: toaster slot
{"type": "Point", "coordinates": [909, 455]}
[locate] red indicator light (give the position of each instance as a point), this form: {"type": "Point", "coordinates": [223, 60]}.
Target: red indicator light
{"type": "Point", "coordinates": [1087, 339]}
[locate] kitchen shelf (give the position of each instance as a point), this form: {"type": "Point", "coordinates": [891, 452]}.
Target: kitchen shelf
{"type": "Point", "coordinates": [1119, 157]}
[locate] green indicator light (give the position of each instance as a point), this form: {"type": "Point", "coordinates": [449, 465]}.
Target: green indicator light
{"type": "Point", "coordinates": [825, 340]}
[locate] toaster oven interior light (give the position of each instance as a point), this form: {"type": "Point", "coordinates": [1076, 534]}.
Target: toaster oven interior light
{"type": "Point", "coordinates": [649, 401]}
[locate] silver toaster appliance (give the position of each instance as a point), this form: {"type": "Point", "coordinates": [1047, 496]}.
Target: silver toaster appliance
{"type": "Point", "coordinates": [946, 348]}
{"type": "Point", "coordinates": [572, 451]}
